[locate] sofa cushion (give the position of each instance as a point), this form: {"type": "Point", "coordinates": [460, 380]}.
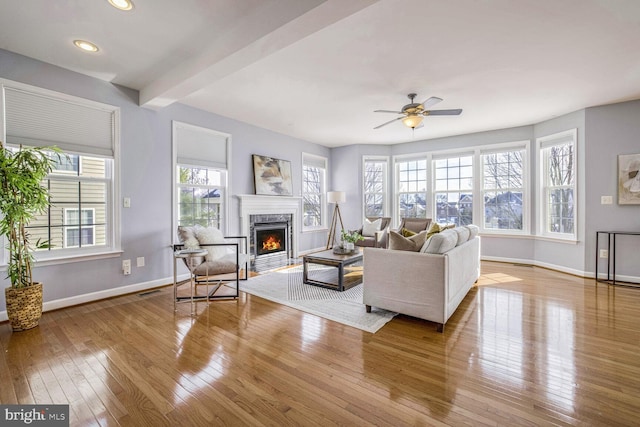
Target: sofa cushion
{"type": "Point", "coordinates": [407, 233]}
{"type": "Point", "coordinates": [463, 235]}
{"type": "Point", "coordinates": [441, 242]}
{"type": "Point", "coordinates": [369, 228]}
{"type": "Point", "coordinates": [400, 243]}
{"type": "Point", "coordinates": [437, 228]}
{"type": "Point", "coordinates": [474, 230]}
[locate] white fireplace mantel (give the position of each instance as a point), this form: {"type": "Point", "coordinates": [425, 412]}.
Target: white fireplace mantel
{"type": "Point", "coordinates": [251, 204]}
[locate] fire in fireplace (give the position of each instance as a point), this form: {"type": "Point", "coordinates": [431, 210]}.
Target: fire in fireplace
{"type": "Point", "coordinates": [270, 238]}
{"type": "Point", "coordinates": [272, 243]}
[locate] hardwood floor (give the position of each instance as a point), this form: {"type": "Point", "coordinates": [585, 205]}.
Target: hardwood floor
{"type": "Point", "coordinates": [527, 346]}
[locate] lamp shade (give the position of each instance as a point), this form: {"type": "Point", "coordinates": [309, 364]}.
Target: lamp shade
{"type": "Point", "coordinates": [336, 197]}
{"type": "Point", "coordinates": [412, 120]}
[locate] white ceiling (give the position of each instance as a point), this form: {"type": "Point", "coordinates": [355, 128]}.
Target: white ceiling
{"type": "Point", "coordinates": [316, 69]}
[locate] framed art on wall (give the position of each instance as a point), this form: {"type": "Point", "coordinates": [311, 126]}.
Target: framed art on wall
{"type": "Point", "coordinates": [272, 177]}
{"type": "Point", "coordinates": [629, 179]}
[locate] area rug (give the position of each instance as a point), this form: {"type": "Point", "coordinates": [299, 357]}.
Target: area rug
{"type": "Point", "coordinates": [285, 287]}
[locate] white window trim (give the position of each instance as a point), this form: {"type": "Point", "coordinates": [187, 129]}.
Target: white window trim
{"type": "Point", "coordinates": [395, 215]}
{"type": "Point", "coordinates": [474, 173]}
{"type": "Point", "coordinates": [385, 185]}
{"type": "Point", "coordinates": [558, 138]}
{"type": "Point", "coordinates": [525, 146]}
{"type": "Point", "coordinates": [174, 185]}
{"type": "Point", "coordinates": [323, 194]}
{"type": "Point", "coordinates": [113, 213]}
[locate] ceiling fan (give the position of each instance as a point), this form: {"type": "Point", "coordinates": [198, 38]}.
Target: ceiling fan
{"type": "Point", "coordinates": [414, 112]}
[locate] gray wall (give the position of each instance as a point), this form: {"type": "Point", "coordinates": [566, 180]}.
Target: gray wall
{"type": "Point", "coordinates": [611, 130]}
{"type": "Point", "coordinates": [146, 178]}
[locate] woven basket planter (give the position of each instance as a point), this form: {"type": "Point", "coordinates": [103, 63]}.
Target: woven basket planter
{"type": "Point", "coordinates": [24, 306]}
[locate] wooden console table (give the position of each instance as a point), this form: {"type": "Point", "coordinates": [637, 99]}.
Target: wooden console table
{"type": "Point", "coordinates": [611, 259]}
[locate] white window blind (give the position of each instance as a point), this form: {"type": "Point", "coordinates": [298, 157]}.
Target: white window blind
{"type": "Point", "coordinates": [200, 146]}
{"type": "Point", "coordinates": [36, 120]}
{"type": "Point", "coordinates": [566, 137]}
{"type": "Point", "coordinates": [314, 161]}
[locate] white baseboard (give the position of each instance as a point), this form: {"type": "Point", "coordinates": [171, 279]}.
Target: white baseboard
{"type": "Point", "coordinates": [555, 267]}
{"type": "Point", "coordinates": [99, 295]}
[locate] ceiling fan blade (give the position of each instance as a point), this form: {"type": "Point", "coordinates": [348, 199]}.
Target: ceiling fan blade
{"type": "Point", "coordinates": [431, 102]}
{"type": "Point", "coordinates": [443, 112]}
{"type": "Point", "coordinates": [387, 111]}
{"type": "Point", "coordinates": [390, 121]}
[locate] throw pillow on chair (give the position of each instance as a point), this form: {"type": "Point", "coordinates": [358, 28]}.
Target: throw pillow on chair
{"type": "Point", "coordinates": [369, 228]}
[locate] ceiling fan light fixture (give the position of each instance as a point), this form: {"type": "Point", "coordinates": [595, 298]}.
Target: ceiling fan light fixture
{"type": "Point", "coordinates": [122, 4]}
{"type": "Point", "coordinates": [412, 121]}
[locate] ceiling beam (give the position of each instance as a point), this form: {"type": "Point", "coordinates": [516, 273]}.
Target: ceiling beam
{"type": "Point", "coordinates": [257, 36]}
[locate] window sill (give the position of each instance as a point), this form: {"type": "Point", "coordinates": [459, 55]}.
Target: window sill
{"type": "Point", "coordinates": [66, 259]}
{"type": "Point", "coordinates": [530, 237]}
{"type": "Point", "coordinates": [315, 230]}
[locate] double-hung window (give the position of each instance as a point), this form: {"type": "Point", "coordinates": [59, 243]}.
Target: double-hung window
{"type": "Point", "coordinates": [411, 194]}
{"type": "Point", "coordinates": [453, 178]}
{"type": "Point", "coordinates": [314, 171]}
{"type": "Point", "coordinates": [80, 218]}
{"type": "Point", "coordinates": [503, 189]}
{"type": "Point", "coordinates": [558, 184]}
{"type": "Point", "coordinates": [375, 186]}
{"type": "Point", "coordinates": [201, 176]}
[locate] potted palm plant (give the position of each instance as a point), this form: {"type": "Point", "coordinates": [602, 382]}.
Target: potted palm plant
{"type": "Point", "coordinates": [22, 197]}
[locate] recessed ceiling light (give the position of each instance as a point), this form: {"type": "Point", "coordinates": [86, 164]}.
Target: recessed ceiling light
{"type": "Point", "coordinates": [122, 4]}
{"type": "Point", "coordinates": [85, 45]}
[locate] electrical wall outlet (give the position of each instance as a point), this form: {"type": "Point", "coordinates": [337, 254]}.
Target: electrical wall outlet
{"type": "Point", "coordinates": [126, 202]}
{"type": "Point", "coordinates": [604, 253]}
{"type": "Point", "coordinates": [140, 261]}
{"type": "Point", "coordinates": [126, 266]}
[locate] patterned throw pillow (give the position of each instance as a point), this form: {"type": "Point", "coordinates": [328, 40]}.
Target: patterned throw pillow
{"type": "Point", "coordinates": [400, 243]}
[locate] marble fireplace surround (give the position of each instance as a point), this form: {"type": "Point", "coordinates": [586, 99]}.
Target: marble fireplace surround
{"type": "Point", "coordinates": [251, 204]}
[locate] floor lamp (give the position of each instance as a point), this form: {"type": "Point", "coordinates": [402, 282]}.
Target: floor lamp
{"type": "Point", "coordinates": [336, 197]}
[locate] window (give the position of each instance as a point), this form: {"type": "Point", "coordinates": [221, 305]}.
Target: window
{"type": "Point", "coordinates": [412, 188]}
{"type": "Point", "coordinates": [69, 163]}
{"type": "Point", "coordinates": [454, 190]}
{"type": "Point", "coordinates": [375, 187]}
{"type": "Point", "coordinates": [201, 176]}
{"type": "Point", "coordinates": [80, 219]}
{"type": "Point", "coordinates": [313, 191]}
{"type": "Point", "coordinates": [558, 184]}
{"type": "Point", "coordinates": [503, 190]}
{"type": "Point", "coordinates": [200, 192]}
{"type": "Point", "coordinates": [87, 192]}
{"type": "Point", "coordinates": [79, 231]}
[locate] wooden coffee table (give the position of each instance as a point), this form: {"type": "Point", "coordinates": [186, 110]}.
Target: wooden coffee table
{"type": "Point", "coordinates": [347, 271]}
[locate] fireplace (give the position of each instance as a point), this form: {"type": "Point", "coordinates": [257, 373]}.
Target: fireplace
{"type": "Point", "coordinates": [276, 212]}
{"type": "Point", "coordinates": [270, 238]}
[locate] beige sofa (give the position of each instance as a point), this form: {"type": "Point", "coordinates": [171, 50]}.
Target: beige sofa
{"type": "Point", "coordinates": [429, 286]}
